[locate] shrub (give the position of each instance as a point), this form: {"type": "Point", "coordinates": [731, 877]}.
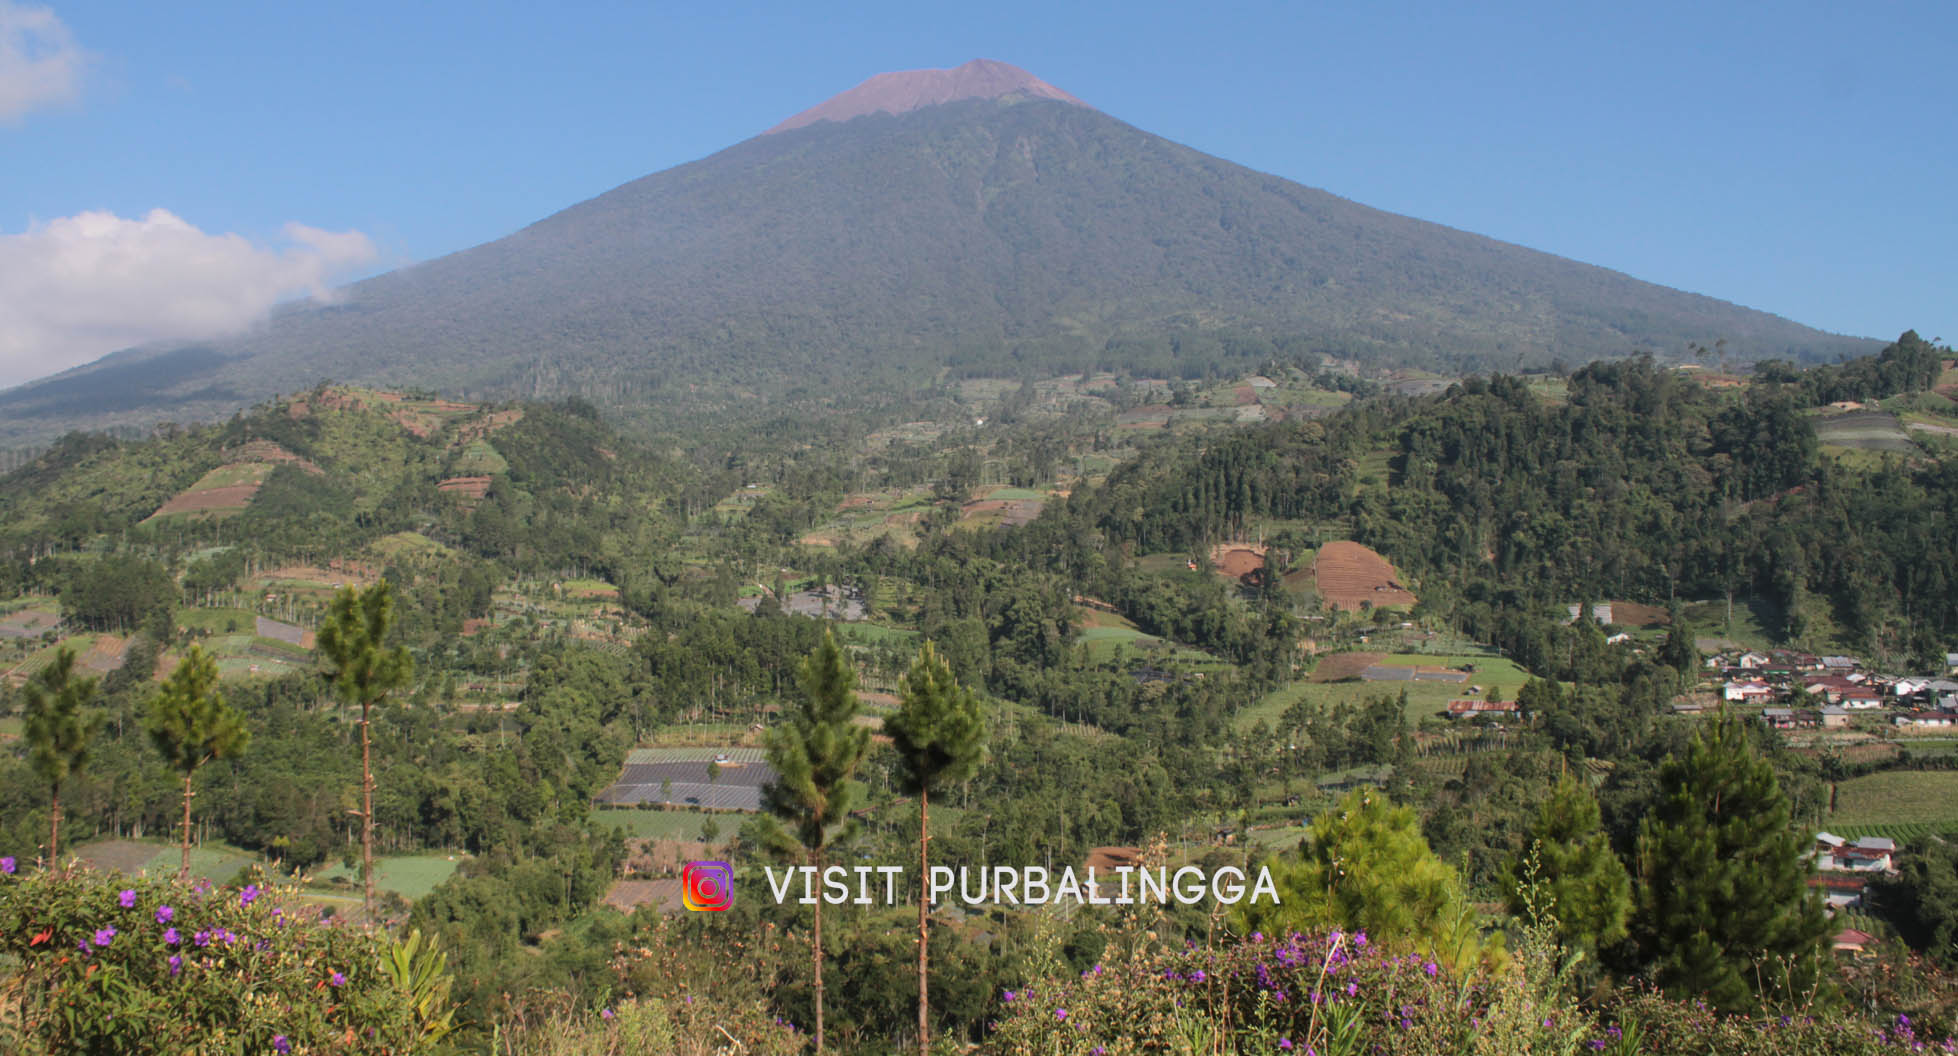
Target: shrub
{"type": "Point", "coordinates": [107, 964]}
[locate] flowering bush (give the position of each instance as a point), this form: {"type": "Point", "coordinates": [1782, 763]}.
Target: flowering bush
{"type": "Point", "coordinates": [1339, 995]}
{"type": "Point", "coordinates": [111, 965]}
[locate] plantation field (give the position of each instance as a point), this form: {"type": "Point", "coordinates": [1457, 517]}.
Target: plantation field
{"type": "Point", "coordinates": [411, 876]}
{"type": "Point", "coordinates": [1864, 431]}
{"type": "Point", "coordinates": [1897, 797]}
{"type": "Point", "coordinates": [222, 492]}
{"type": "Point", "coordinates": [218, 621]}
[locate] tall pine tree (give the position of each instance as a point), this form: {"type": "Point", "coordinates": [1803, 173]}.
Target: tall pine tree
{"type": "Point", "coordinates": [816, 755]}
{"type": "Point", "coordinates": [190, 724]}
{"type": "Point", "coordinates": [58, 726]}
{"type": "Point", "coordinates": [363, 671]}
{"type": "Point", "coordinates": [1724, 909]}
{"type": "Point", "coordinates": [939, 738]}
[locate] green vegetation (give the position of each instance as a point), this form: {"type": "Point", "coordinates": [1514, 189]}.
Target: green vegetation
{"type": "Point", "coordinates": [1898, 797]}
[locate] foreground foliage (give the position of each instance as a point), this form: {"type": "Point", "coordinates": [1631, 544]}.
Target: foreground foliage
{"type": "Point", "coordinates": [165, 968]}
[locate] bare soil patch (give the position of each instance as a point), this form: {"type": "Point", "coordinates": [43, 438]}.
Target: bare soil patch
{"type": "Point", "coordinates": [1237, 560]}
{"type": "Point", "coordinates": [1349, 575]}
{"type": "Point", "coordinates": [1335, 667]}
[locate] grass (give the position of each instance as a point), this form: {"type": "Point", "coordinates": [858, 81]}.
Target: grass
{"type": "Point", "coordinates": [1424, 699]}
{"type": "Point", "coordinates": [664, 824]}
{"type": "Point", "coordinates": [411, 876]}
{"type": "Point", "coordinates": [1897, 797]}
{"type": "Point", "coordinates": [216, 862]}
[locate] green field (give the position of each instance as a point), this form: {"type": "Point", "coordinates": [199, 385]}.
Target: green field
{"type": "Point", "coordinates": [1897, 797]}
{"type": "Point", "coordinates": [665, 824]}
{"type": "Point", "coordinates": [1424, 699]}
{"type": "Point", "coordinates": [411, 876]}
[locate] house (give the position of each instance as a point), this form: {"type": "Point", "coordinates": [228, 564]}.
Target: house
{"type": "Point", "coordinates": [1789, 718]}
{"type": "Point", "coordinates": [1864, 854]}
{"type": "Point", "coordinates": [1469, 709]}
{"type": "Point", "coordinates": [1838, 663]}
{"type": "Point", "coordinates": [1908, 686]}
{"type": "Point", "coordinates": [1839, 892]}
{"type": "Point", "coordinates": [1754, 690]}
{"type": "Point", "coordinates": [1861, 699]}
{"type": "Point", "coordinates": [1853, 940]}
{"type": "Point", "coordinates": [1751, 661]}
{"type": "Point", "coordinates": [1834, 718]}
{"type": "Point", "coordinates": [1828, 687]}
{"type": "Point", "coordinates": [1951, 663]}
{"type": "Point", "coordinates": [1926, 720]}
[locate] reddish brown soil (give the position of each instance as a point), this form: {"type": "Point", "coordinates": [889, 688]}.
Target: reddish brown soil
{"type": "Point", "coordinates": [472, 487]}
{"type": "Point", "coordinates": [905, 90]}
{"type": "Point", "coordinates": [267, 451]}
{"type": "Point", "coordinates": [1238, 561]}
{"type": "Point", "coordinates": [236, 497]}
{"type": "Point", "coordinates": [1349, 574]}
{"type": "Point", "coordinates": [1336, 666]}
{"type": "Point", "coordinates": [1244, 394]}
{"type": "Point", "coordinates": [1013, 512]}
{"type": "Point", "coordinates": [105, 655]}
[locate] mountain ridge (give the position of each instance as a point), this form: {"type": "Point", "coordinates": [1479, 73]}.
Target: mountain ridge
{"type": "Point", "coordinates": [1001, 235]}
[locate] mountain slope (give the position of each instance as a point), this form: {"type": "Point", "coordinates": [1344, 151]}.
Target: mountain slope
{"type": "Point", "coordinates": [1016, 230]}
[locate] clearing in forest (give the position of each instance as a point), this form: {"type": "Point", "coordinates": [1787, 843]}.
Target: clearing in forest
{"type": "Point", "coordinates": [1349, 575]}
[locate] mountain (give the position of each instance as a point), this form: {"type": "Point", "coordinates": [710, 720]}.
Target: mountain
{"type": "Point", "coordinates": [975, 217]}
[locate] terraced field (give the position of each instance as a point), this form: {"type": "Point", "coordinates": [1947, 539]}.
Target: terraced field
{"type": "Point", "coordinates": [1348, 575]}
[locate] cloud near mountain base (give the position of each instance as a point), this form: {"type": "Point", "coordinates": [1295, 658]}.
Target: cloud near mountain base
{"type": "Point", "coordinates": [77, 288]}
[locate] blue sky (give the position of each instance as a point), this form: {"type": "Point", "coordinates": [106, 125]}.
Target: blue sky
{"type": "Point", "coordinates": [1793, 157]}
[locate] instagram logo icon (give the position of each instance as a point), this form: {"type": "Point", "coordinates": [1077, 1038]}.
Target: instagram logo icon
{"type": "Point", "coordinates": [707, 885]}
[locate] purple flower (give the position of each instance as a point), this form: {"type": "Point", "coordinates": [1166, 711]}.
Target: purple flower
{"type": "Point", "coordinates": [247, 897]}
{"type": "Point", "coordinates": [280, 1044]}
{"type": "Point", "coordinates": [164, 913]}
{"type": "Point", "coordinates": [105, 936]}
{"type": "Point", "coordinates": [7, 865]}
{"type": "Point", "coordinates": [176, 965]}
{"type": "Point", "coordinates": [1257, 936]}
{"type": "Point", "coordinates": [1352, 988]}
{"type": "Point", "coordinates": [1198, 976]}
{"type": "Point", "coordinates": [1360, 939]}
{"type": "Point", "coordinates": [1010, 995]}
{"type": "Point", "coordinates": [127, 897]}
{"type": "Point", "coordinates": [604, 1013]}
{"type": "Point", "coordinates": [1285, 1043]}
{"type": "Point", "coordinates": [1431, 968]}
{"type": "Point", "coordinates": [336, 979]}
{"type": "Point", "coordinates": [202, 938]}
{"type": "Point", "coordinates": [1060, 1013]}
{"type": "Point", "coordinates": [170, 937]}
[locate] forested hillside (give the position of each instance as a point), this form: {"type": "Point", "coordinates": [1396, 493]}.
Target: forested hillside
{"type": "Point", "coordinates": [1502, 642]}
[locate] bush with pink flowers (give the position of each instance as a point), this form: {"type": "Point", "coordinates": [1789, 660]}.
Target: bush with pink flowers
{"type": "Point", "coordinates": [106, 964]}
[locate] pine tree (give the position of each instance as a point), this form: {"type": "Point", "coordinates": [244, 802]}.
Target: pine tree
{"type": "Point", "coordinates": [939, 737]}
{"type": "Point", "coordinates": [190, 724]}
{"type": "Point", "coordinates": [1567, 857]}
{"type": "Point", "coordinates": [58, 726]}
{"type": "Point", "coordinates": [363, 671]}
{"type": "Point", "coordinates": [1724, 908]}
{"type": "Point", "coordinates": [1367, 867]}
{"type": "Point", "coordinates": [816, 755]}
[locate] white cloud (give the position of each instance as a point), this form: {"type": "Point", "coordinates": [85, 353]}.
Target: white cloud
{"type": "Point", "coordinates": [40, 64]}
{"type": "Point", "coordinates": [74, 289]}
